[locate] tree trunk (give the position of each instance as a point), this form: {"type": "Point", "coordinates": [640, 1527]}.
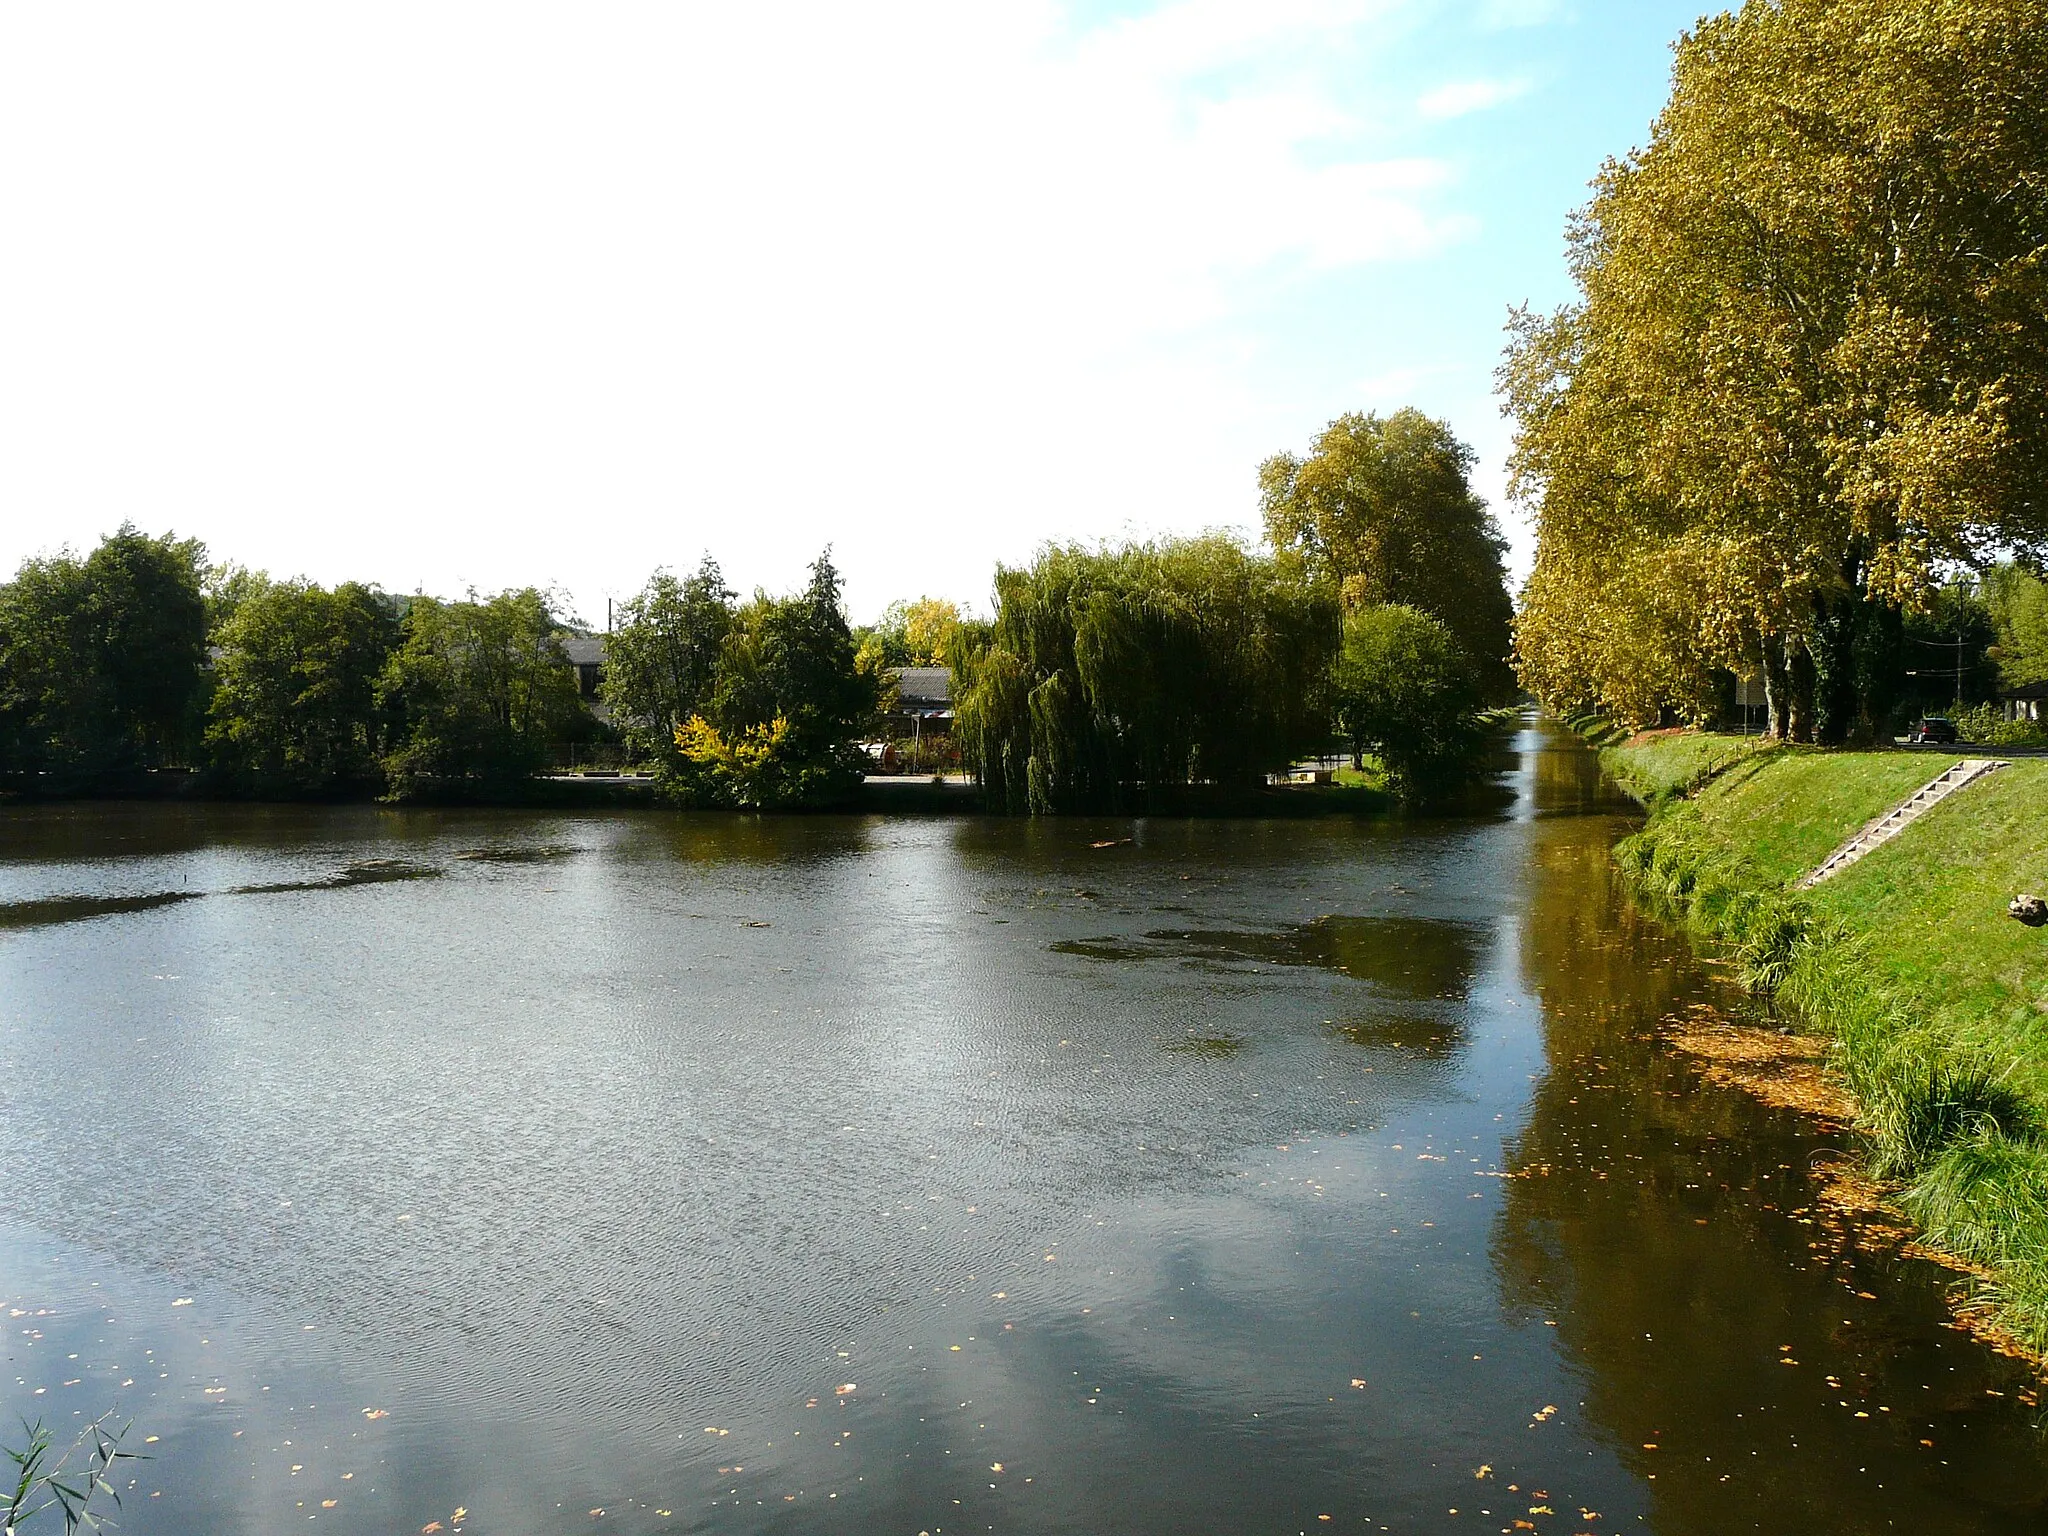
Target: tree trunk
{"type": "Point", "coordinates": [1833, 650]}
{"type": "Point", "coordinates": [1777, 690]}
{"type": "Point", "coordinates": [1799, 669]}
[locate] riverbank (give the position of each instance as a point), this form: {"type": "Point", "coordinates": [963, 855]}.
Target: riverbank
{"type": "Point", "coordinates": [1358, 795]}
{"type": "Point", "coordinates": [1933, 997]}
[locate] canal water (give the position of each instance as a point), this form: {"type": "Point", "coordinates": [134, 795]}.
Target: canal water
{"type": "Point", "coordinates": [402, 1171]}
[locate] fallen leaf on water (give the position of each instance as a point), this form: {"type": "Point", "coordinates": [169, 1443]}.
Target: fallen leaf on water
{"type": "Point", "coordinates": [842, 1391]}
{"type": "Point", "coordinates": [430, 1527]}
{"type": "Point", "coordinates": [182, 1301]}
{"type": "Point", "coordinates": [329, 1503]}
{"type": "Point", "coordinates": [460, 1513]}
{"type": "Point", "coordinates": [995, 1466]}
{"type": "Point", "coordinates": [713, 1429]}
{"type": "Point", "coordinates": [1485, 1470]}
{"type": "Point", "coordinates": [376, 1413]}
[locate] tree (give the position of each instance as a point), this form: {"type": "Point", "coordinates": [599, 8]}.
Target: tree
{"type": "Point", "coordinates": [2018, 604]}
{"type": "Point", "coordinates": [1805, 374]}
{"type": "Point", "coordinates": [1109, 674]}
{"type": "Point", "coordinates": [912, 634]}
{"type": "Point", "coordinates": [662, 658]}
{"type": "Point", "coordinates": [103, 660]}
{"type": "Point", "coordinates": [478, 690]}
{"type": "Point", "coordinates": [791, 695]}
{"type": "Point", "coordinates": [296, 707]}
{"type": "Point", "coordinates": [1406, 691]}
{"type": "Point", "coordinates": [1384, 508]}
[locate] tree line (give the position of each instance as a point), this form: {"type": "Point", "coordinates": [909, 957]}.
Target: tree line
{"type": "Point", "coordinates": [141, 656]}
{"type": "Point", "coordinates": [1805, 379]}
{"type": "Point", "coordinates": [1375, 618]}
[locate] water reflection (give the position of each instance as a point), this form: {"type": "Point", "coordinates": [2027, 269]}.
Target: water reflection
{"type": "Point", "coordinates": [1752, 1369]}
{"type": "Point", "coordinates": [1404, 956]}
{"type": "Point", "coordinates": [1428, 1035]}
{"type": "Point", "coordinates": [1199, 1175]}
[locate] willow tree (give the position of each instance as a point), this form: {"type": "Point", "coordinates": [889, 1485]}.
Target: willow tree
{"type": "Point", "coordinates": [1808, 369]}
{"type": "Point", "coordinates": [1108, 674]}
{"type": "Point", "coordinates": [1384, 509]}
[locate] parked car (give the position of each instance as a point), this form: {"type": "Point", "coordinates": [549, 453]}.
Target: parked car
{"type": "Point", "coordinates": [1934, 730]}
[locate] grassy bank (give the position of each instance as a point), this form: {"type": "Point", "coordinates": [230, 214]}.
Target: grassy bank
{"type": "Point", "coordinates": [1936, 1000]}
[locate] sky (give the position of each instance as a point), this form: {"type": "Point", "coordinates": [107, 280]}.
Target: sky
{"type": "Point", "coordinates": [453, 295]}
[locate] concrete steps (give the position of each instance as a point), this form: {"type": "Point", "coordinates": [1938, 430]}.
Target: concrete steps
{"type": "Point", "coordinates": [1901, 816]}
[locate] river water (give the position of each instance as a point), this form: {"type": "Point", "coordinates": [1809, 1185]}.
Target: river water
{"type": "Point", "coordinates": [519, 1172]}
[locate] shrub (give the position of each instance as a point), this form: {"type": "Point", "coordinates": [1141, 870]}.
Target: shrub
{"type": "Point", "coordinates": [1985, 725]}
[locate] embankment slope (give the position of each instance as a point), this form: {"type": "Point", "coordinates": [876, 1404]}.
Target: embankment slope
{"type": "Point", "coordinates": [1935, 999]}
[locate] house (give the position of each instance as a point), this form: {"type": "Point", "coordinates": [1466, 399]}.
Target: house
{"type": "Point", "coordinates": [585, 656]}
{"type": "Point", "coordinates": [924, 702]}
{"type": "Point", "coordinates": [2029, 701]}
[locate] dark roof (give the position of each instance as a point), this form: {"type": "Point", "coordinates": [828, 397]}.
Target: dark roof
{"type": "Point", "coordinates": [585, 652]}
{"type": "Point", "coordinates": [2028, 691]}
{"type": "Point", "coordinates": [924, 687]}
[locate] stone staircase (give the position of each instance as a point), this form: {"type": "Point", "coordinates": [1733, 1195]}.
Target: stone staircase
{"type": "Point", "coordinates": [1901, 816]}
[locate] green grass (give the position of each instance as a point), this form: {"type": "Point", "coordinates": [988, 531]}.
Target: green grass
{"type": "Point", "coordinates": [1937, 893]}
{"type": "Point", "coordinates": [1657, 766]}
{"type": "Point", "coordinates": [1937, 1001]}
{"type": "Point", "coordinates": [1783, 808]}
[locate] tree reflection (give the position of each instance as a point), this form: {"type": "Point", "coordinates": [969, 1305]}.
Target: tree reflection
{"type": "Point", "coordinates": [1762, 1378]}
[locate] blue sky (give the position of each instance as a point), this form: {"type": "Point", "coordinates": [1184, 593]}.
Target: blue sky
{"type": "Point", "coordinates": [487, 294]}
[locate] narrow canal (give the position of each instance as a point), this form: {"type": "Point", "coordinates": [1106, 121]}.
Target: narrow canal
{"type": "Point", "coordinates": [508, 1173]}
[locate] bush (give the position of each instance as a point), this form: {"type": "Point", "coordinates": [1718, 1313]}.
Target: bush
{"type": "Point", "coordinates": [1409, 694]}
{"type": "Point", "coordinates": [1985, 725]}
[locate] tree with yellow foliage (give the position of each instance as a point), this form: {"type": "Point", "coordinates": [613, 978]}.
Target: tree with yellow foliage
{"type": "Point", "coordinates": [1808, 370]}
{"type": "Point", "coordinates": [1383, 510]}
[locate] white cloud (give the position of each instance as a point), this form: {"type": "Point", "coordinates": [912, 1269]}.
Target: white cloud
{"type": "Point", "coordinates": [1462, 97]}
{"type": "Point", "coordinates": [499, 293]}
